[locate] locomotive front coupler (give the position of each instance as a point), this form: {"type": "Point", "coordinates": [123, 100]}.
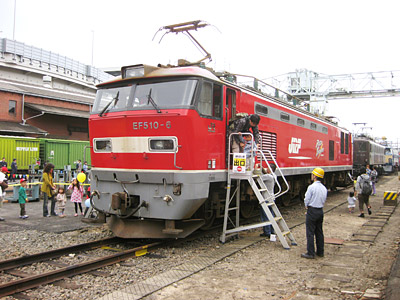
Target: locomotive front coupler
{"type": "Point", "coordinates": [120, 201]}
{"type": "Point", "coordinates": [125, 198]}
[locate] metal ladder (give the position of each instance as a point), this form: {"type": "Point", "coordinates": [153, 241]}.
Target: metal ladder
{"type": "Point", "coordinates": [265, 198]}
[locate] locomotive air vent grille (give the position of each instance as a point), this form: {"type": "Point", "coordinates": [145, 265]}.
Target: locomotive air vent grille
{"type": "Point", "coordinates": [268, 142]}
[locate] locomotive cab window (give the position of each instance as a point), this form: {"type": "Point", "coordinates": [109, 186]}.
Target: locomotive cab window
{"type": "Point", "coordinates": [146, 95]}
{"type": "Point", "coordinates": [168, 94]}
{"type": "Point", "coordinates": [113, 99]}
{"type": "Point", "coordinates": [210, 100]}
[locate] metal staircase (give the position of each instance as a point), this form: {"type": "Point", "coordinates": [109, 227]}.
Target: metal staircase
{"type": "Point", "coordinates": [265, 197]}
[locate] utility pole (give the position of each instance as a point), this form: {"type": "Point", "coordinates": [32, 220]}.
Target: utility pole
{"type": "Point", "coordinates": [92, 45]}
{"type": "Point", "coordinates": [15, 13]}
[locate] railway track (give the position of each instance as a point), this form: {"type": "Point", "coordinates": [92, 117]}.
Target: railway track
{"type": "Point", "coordinates": [29, 281]}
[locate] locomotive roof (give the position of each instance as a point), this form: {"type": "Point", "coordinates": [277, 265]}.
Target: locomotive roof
{"type": "Point", "coordinates": [162, 71]}
{"type": "Point", "coordinates": [366, 139]}
{"type": "Point", "coordinates": [195, 70]}
{"type": "Point", "coordinates": [283, 103]}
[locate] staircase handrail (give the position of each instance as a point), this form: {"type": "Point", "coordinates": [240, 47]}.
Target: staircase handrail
{"type": "Point", "coordinates": [280, 192]}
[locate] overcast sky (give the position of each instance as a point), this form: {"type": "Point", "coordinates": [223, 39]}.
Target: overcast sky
{"type": "Point", "coordinates": [260, 38]}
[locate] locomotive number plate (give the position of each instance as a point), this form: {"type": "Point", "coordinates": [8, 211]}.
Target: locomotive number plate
{"type": "Point", "coordinates": [151, 125]}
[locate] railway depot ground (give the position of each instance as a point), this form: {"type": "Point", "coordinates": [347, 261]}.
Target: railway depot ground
{"type": "Point", "coordinates": [359, 256]}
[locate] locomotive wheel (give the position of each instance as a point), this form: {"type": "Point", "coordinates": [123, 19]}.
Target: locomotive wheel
{"type": "Point", "coordinates": [302, 195]}
{"type": "Point", "coordinates": [286, 200]}
{"type": "Point", "coordinates": [208, 214]}
{"type": "Point", "coordinates": [247, 208]}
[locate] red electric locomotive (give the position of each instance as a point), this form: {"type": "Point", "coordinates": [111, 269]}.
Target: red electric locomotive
{"type": "Point", "coordinates": [159, 148]}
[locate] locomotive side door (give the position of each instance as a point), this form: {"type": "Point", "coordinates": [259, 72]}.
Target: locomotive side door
{"type": "Point", "coordinates": [230, 104]}
{"type": "Point", "coordinates": [231, 96]}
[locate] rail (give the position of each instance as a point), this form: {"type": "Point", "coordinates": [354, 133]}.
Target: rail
{"type": "Point", "coordinates": [29, 259]}
{"type": "Point", "coordinates": [20, 285]}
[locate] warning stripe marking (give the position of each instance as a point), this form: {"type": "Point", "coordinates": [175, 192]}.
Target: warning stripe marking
{"type": "Point", "coordinates": [390, 195]}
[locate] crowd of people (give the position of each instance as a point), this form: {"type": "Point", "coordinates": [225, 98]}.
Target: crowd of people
{"type": "Point", "coordinates": [56, 196]}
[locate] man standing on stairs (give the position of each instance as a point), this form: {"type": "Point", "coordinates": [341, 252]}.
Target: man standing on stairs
{"type": "Point", "coordinates": [269, 181]}
{"type": "Point", "coordinates": [314, 201]}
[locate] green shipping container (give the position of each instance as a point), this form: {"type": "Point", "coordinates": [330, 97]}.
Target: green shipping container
{"type": "Point", "coordinates": [63, 152]}
{"type": "Point", "coordinates": [24, 149]}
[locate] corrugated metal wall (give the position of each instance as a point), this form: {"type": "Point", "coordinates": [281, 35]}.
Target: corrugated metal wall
{"type": "Point", "coordinates": [25, 150]}
{"type": "Point", "coordinates": [63, 152]}
{"type": "Point", "coordinates": [28, 150]}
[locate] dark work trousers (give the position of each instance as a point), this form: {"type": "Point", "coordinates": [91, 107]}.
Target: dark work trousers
{"type": "Point", "coordinates": [46, 198]}
{"type": "Point", "coordinates": [314, 219]}
{"type": "Point", "coordinates": [268, 229]}
{"type": "Point", "coordinates": [22, 211]}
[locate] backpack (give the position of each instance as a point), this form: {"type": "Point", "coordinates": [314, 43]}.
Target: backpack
{"type": "Point", "coordinates": [374, 175]}
{"type": "Point", "coordinates": [366, 188]}
{"type": "Point", "coordinates": [4, 185]}
{"type": "Point", "coordinates": [238, 116]}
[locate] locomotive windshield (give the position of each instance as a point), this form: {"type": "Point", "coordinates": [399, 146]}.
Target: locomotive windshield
{"type": "Point", "coordinates": [154, 95]}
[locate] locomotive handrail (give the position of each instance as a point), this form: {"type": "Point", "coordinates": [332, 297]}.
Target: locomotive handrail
{"type": "Point", "coordinates": [123, 182]}
{"type": "Point", "coordinates": [176, 151]}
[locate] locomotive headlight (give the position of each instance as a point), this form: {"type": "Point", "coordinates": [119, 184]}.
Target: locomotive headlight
{"type": "Point", "coordinates": [102, 145]}
{"type": "Point", "coordinates": [162, 144]}
{"type": "Point", "coordinates": [137, 71]}
{"type": "Point", "coordinates": [133, 72]}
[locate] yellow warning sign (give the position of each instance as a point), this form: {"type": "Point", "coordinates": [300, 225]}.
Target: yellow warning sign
{"type": "Point", "coordinates": [390, 198]}
{"type": "Point", "coordinates": [390, 195]}
{"type": "Point", "coordinates": [239, 163]}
